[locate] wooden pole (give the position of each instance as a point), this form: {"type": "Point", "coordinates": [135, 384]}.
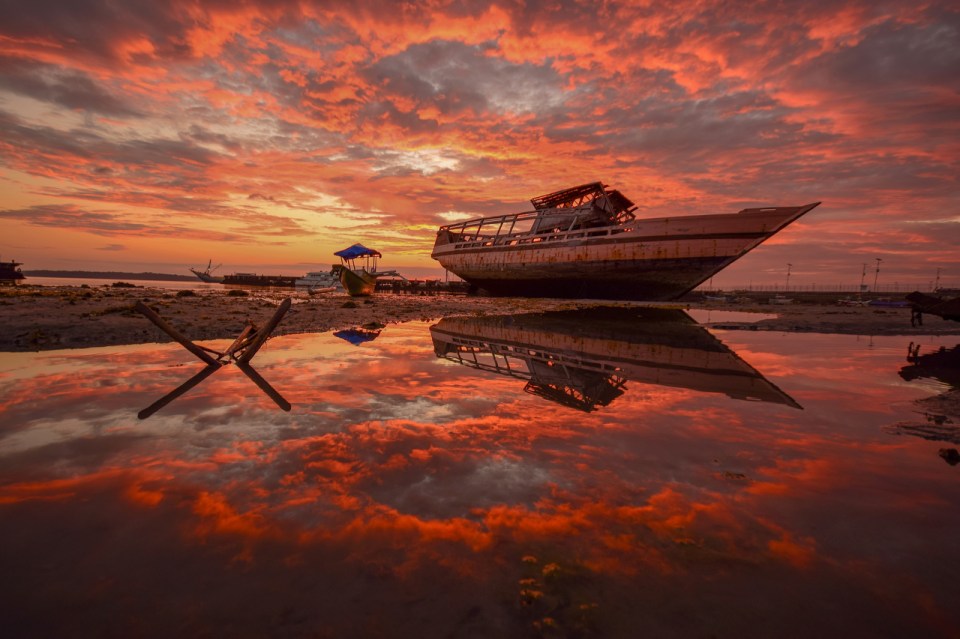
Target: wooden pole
{"type": "Point", "coordinates": [264, 333]}
{"type": "Point", "coordinates": [238, 343]}
{"type": "Point", "coordinates": [148, 312]}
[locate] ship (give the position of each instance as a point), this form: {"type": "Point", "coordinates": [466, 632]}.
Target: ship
{"type": "Point", "coordinates": [10, 272]}
{"type": "Point", "coordinates": [586, 242]}
{"type": "Point", "coordinates": [207, 275]}
{"type": "Point", "coordinates": [583, 359]}
{"type": "Point", "coordinates": [358, 270]}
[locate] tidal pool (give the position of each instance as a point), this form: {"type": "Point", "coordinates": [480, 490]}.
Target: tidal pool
{"type": "Point", "coordinates": [618, 474]}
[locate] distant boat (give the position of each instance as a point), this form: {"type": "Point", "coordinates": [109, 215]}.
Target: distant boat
{"type": "Point", "coordinates": [253, 279]}
{"type": "Point", "coordinates": [358, 270]}
{"type": "Point", "coordinates": [207, 275]}
{"type": "Point", "coordinates": [10, 272]}
{"type": "Point", "coordinates": [319, 281]}
{"type": "Point", "coordinates": [585, 242]}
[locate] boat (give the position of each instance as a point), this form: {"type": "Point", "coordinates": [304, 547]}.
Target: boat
{"type": "Point", "coordinates": [319, 281]}
{"type": "Point", "coordinates": [253, 279]}
{"type": "Point", "coordinates": [586, 242]}
{"type": "Point", "coordinates": [584, 359]}
{"type": "Point", "coordinates": [206, 275]}
{"type": "Point", "coordinates": [942, 306]}
{"type": "Point", "coordinates": [10, 272]}
{"type": "Point", "coordinates": [358, 270]}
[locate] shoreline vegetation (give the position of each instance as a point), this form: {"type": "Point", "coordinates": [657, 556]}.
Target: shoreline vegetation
{"type": "Point", "coordinates": [112, 275]}
{"type": "Point", "coordinates": [57, 317]}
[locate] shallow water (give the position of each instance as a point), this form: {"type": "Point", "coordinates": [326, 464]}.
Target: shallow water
{"type": "Point", "coordinates": [481, 477]}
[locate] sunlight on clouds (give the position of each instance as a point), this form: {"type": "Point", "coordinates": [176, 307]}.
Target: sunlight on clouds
{"type": "Point", "coordinates": [456, 216]}
{"type": "Point", "coordinates": [425, 161]}
{"type": "Point", "coordinates": [294, 119]}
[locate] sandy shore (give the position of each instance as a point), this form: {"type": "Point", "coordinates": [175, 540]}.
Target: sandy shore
{"type": "Point", "coordinates": [44, 318]}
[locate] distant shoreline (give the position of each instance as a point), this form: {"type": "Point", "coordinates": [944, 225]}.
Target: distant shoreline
{"type": "Point", "coordinates": [112, 275]}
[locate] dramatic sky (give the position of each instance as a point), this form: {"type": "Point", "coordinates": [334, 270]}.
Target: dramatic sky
{"type": "Point", "coordinates": [144, 135]}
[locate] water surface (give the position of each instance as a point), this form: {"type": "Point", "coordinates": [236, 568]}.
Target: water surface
{"type": "Point", "coordinates": [479, 478]}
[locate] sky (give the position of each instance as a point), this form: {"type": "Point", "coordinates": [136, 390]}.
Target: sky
{"type": "Point", "coordinates": [265, 135]}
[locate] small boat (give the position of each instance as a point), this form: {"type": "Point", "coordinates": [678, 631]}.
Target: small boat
{"type": "Point", "coordinates": [319, 281]}
{"type": "Point", "coordinates": [586, 242]}
{"type": "Point", "coordinates": [10, 272]}
{"type": "Point", "coordinates": [358, 270]}
{"type": "Point", "coordinates": [207, 275]}
{"type": "Point", "coordinates": [886, 302]}
{"type": "Point", "coordinates": [942, 306]}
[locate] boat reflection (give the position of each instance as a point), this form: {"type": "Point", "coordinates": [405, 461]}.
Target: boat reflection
{"type": "Point", "coordinates": [358, 335]}
{"type": "Point", "coordinates": [942, 365]}
{"type": "Point", "coordinates": [583, 359]}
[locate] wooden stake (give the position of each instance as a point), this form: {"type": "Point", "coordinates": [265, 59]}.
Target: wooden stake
{"type": "Point", "coordinates": [264, 333]}
{"type": "Point", "coordinates": [148, 312]}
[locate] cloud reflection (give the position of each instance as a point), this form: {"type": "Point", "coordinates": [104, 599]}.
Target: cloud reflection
{"type": "Point", "coordinates": [405, 494]}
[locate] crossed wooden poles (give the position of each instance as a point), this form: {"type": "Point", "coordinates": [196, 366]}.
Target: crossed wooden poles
{"type": "Point", "coordinates": [240, 352]}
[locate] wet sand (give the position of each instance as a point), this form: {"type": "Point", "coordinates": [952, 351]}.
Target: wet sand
{"type": "Point", "coordinates": [44, 318]}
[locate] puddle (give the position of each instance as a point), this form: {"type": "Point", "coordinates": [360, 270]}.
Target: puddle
{"type": "Point", "coordinates": [621, 476]}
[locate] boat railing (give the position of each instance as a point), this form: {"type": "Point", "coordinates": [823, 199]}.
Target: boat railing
{"type": "Point", "coordinates": [475, 238]}
{"type": "Point", "coordinates": [522, 228]}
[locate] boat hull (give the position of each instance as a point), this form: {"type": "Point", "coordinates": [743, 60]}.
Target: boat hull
{"type": "Point", "coordinates": [652, 259]}
{"type": "Point", "coordinates": [206, 277]}
{"type": "Point", "coordinates": [662, 279]}
{"type": "Point", "coordinates": [358, 283]}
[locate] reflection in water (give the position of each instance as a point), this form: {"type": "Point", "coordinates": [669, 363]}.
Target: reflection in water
{"type": "Point", "coordinates": [583, 359]}
{"type": "Point", "coordinates": [405, 495]}
{"type": "Point", "coordinates": [206, 372]}
{"type": "Point", "coordinates": [241, 351]}
{"type": "Point", "coordinates": [942, 364]}
{"type": "Point", "coordinates": [358, 335]}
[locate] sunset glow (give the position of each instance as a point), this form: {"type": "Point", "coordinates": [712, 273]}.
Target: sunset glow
{"type": "Point", "coordinates": [406, 490]}
{"type": "Point", "coordinates": [267, 135]}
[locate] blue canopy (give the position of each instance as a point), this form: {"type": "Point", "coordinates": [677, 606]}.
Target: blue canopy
{"type": "Point", "coordinates": [357, 250]}
{"type": "Point", "coordinates": [357, 336]}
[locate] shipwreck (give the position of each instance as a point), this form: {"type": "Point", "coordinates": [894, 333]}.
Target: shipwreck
{"type": "Point", "coordinates": [586, 242]}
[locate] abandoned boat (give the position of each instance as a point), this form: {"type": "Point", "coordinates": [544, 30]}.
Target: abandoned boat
{"type": "Point", "coordinates": [10, 272]}
{"type": "Point", "coordinates": [207, 275]}
{"type": "Point", "coordinates": [585, 242]}
{"type": "Point", "coordinates": [358, 270]}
